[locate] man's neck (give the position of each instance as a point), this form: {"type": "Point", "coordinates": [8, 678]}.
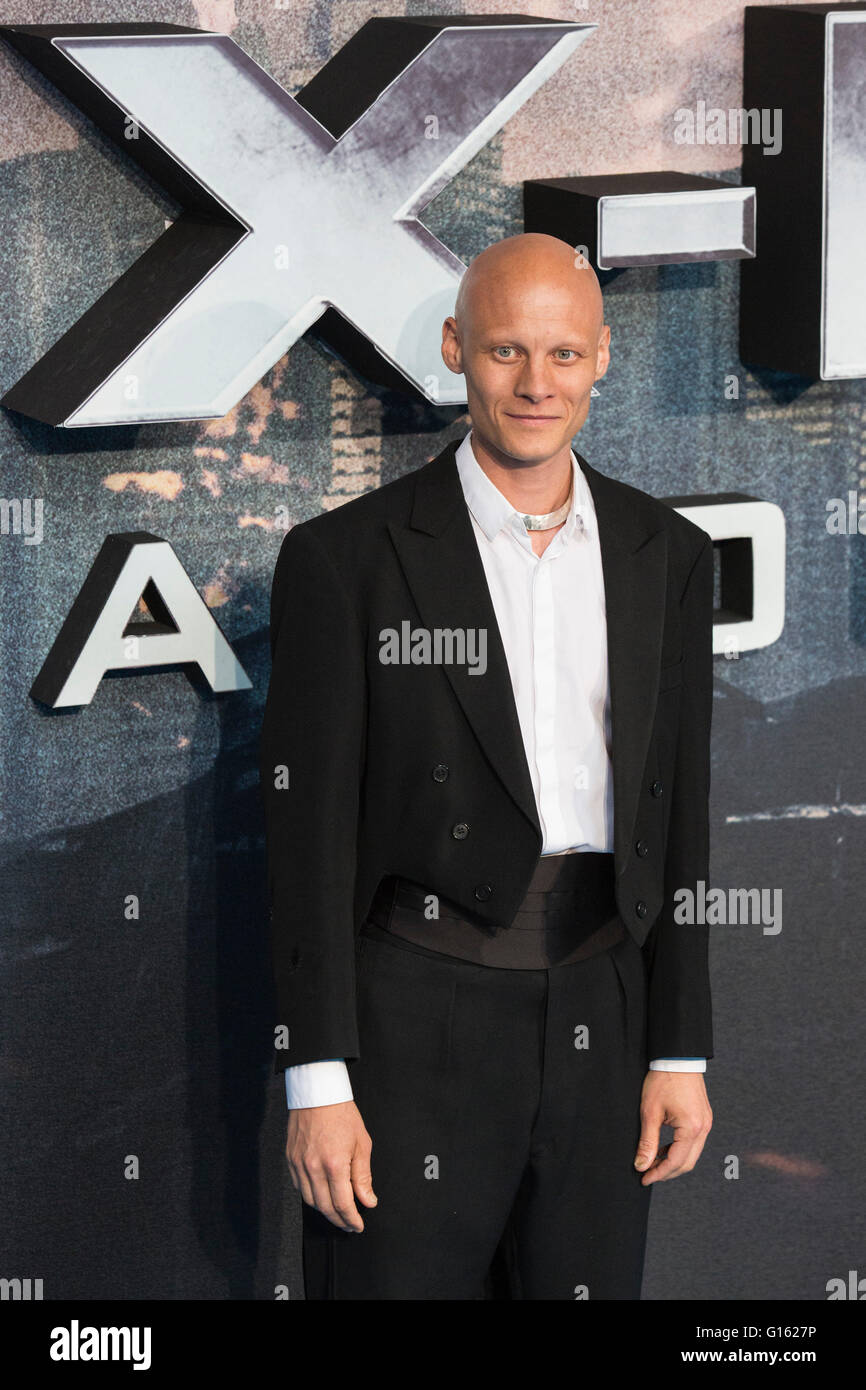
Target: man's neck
{"type": "Point", "coordinates": [532, 488]}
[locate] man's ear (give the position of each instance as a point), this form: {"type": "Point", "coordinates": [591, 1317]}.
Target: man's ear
{"type": "Point", "coordinates": [602, 361]}
{"type": "Point", "coordinates": [452, 355]}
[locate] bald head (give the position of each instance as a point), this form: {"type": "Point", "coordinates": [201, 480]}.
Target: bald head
{"type": "Point", "coordinates": [504, 270]}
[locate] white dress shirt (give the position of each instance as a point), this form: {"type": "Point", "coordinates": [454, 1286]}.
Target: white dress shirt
{"type": "Point", "coordinates": [550, 610]}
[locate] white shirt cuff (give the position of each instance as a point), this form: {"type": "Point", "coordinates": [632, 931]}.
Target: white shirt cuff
{"type": "Point", "coordinates": [679, 1064]}
{"type": "Point", "coordinates": [318, 1083]}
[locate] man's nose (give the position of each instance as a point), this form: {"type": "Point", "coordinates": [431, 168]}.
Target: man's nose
{"type": "Point", "coordinates": [535, 379]}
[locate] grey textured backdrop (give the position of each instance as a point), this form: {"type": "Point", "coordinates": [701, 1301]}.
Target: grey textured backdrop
{"type": "Point", "coordinates": [152, 1038]}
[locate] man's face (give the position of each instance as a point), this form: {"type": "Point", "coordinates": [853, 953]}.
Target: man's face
{"type": "Point", "coordinates": [530, 350]}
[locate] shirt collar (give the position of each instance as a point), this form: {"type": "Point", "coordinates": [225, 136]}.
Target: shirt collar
{"type": "Point", "coordinates": [493, 511]}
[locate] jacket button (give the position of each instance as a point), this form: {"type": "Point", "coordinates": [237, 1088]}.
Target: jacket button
{"type": "Point", "coordinates": [459, 831]}
{"type": "Point", "coordinates": [440, 772]}
{"type": "Point", "coordinates": [640, 907]}
{"type": "Point", "coordinates": [642, 848]}
{"type": "Point", "coordinates": [656, 788]}
{"type": "Point", "coordinates": [483, 892]}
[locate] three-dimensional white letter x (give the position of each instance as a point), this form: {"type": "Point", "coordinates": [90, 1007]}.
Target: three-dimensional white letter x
{"type": "Point", "coordinates": [281, 219]}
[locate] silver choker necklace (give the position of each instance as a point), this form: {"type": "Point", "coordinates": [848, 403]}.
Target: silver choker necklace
{"type": "Point", "coordinates": [547, 519]}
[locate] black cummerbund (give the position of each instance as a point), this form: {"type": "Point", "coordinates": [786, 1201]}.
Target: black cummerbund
{"type": "Point", "coordinates": [568, 914]}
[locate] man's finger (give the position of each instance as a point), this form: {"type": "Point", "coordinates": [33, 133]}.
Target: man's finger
{"type": "Point", "coordinates": [302, 1184]}
{"type": "Point", "coordinates": [343, 1203]}
{"type": "Point", "coordinates": [657, 1162]}
{"type": "Point", "coordinates": [321, 1196]}
{"type": "Point", "coordinates": [362, 1180]}
{"type": "Point", "coordinates": [678, 1157]}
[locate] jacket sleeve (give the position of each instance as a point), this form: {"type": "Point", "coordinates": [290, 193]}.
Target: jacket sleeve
{"type": "Point", "coordinates": [679, 1018]}
{"type": "Point", "coordinates": [310, 766]}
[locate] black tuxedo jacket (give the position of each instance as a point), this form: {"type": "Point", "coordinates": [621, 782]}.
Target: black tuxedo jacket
{"type": "Point", "coordinates": [348, 745]}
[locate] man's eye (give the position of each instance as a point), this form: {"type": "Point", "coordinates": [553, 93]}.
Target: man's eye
{"type": "Point", "coordinates": [566, 354]}
{"type": "Point", "coordinates": [502, 350]}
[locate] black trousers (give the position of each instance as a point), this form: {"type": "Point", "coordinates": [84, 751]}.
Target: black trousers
{"type": "Point", "coordinates": [503, 1107]}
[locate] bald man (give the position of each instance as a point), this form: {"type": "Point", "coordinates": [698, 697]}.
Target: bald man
{"type": "Point", "coordinates": [485, 767]}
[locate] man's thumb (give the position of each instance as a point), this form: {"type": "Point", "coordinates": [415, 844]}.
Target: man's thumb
{"type": "Point", "coordinates": [646, 1150]}
{"type": "Point", "coordinates": [362, 1181]}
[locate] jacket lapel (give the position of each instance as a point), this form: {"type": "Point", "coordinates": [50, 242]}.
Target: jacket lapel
{"type": "Point", "coordinates": [443, 568]}
{"type": "Point", "coordinates": [444, 571]}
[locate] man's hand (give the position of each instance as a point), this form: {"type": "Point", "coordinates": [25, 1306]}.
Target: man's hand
{"type": "Point", "coordinates": [328, 1151]}
{"type": "Point", "coordinates": [679, 1099]}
